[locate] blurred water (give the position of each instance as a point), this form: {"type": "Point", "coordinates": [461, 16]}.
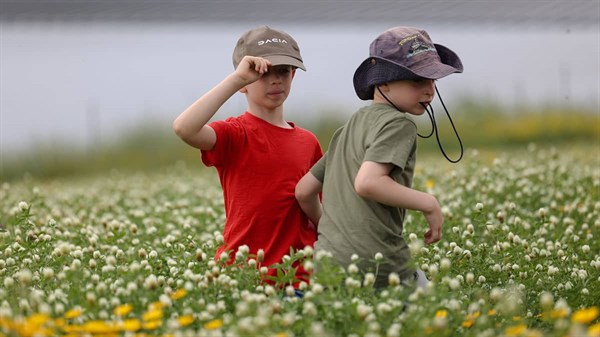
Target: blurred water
{"type": "Point", "coordinates": [90, 82]}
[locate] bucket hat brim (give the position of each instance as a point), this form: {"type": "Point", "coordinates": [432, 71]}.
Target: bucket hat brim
{"type": "Point", "coordinates": [376, 70]}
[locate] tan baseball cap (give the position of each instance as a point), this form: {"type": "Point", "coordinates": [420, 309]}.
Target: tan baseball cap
{"type": "Point", "coordinates": [272, 44]}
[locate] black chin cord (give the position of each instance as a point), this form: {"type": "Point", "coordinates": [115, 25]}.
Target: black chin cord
{"type": "Point", "coordinates": [430, 113]}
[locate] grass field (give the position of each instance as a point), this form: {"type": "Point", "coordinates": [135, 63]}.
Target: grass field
{"type": "Point", "coordinates": [132, 254]}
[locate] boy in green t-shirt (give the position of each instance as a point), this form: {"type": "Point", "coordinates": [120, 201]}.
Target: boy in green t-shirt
{"type": "Point", "coordinates": [366, 175]}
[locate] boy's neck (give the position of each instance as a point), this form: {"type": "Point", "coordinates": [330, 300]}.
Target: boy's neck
{"type": "Point", "coordinates": [274, 117]}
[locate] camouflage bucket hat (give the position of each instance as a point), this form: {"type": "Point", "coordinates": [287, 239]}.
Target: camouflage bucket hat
{"type": "Point", "coordinates": [274, 45]}
{"type": "Point", "coordinates": [403, 53]}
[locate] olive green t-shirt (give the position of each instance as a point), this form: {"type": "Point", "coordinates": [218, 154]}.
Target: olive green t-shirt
{"type": "Point", "coordinates": [351, 224]}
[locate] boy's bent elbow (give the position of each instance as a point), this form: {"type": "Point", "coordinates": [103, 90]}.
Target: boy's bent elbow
{"type": "Point", "coordinates": [363, 188]}
{"type": "Point", "coordinates": [178, 129]}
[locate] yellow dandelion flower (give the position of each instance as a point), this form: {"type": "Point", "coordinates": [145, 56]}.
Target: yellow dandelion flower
{"type": "Point", "coordinates": [533, 333]}
{"type": "Point", "coordinates": [123, 310]}
{"type": "Point", "coordinates": [516, 318]}
{"type": "Point", "coordinates": [73, 313]}
{"type": "Point", "coordinates": [156, 305]}
{"type": "Point", "coordinates": [467, 324]}
{"type": "Point", "coordinates": [585, 316]}
{"type": "Point", "coordinates": [214, 324]}
{"type": "Point", "coordinates": [185, 320]}
{"type": "Point", "coordinates": [37, 319]}
{"type": "Point", "coordinates": [594, 330]}
{"type": "Point", "coordinates": [441, 314]}
{"type": "Point", "coordinates": [152, 325]}
{"type": "Point", "coordinates": [131, 325]}
{"type": "Point", "coordinates": [180, 293]}
{"type": "Point", "coordinates": [492, 312]}
{"type": "Point", "coordinates": [152, 315]}
{"type": "Point", "coordinates": [99, 327]}
{"type": "Point", "coordinates": [516, 330]}
{"type": "Point", "coordinates": [560, 313]}
{"type": "Point", "coordinates": [429, 184]}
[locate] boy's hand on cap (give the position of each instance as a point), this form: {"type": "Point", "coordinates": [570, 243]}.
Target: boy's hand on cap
{"type": "Point", "coordinates": [251, 68]}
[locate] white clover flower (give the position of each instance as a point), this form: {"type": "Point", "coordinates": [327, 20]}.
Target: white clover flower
{"type": "Point", "coordinates": [352, 283]}
{"type": "Point", "coordinates": [369, 279]}
{"type": "Point", "coordinates": [309, 308]}
{"type": "Point", "coordinates": [309, 266]}
{"type": "Point", "coordinates": [585, 249]}
{"type": "Point", "coordinates": [454, 284]}
{"type": "Point", "coordinates": [546, 300]}
{"type": "Point", "coordinates": [481, 279]}
{"type": "Point", "coordinates": [8, 282]}
{"type": "Point", "coordinates": [24, 276]}
{"type": "Point", "coordinates": [48, 273]}
{"type": "Point", "coordinates": [264, 270]}
{"type": "Point", "coordinates": [23, 206]}
{"type": "Point", "coordinates": [224, 257]}
{"type": "Point", "coordinates": [308, 251]}
{"type": "Point", "coordinates": [393, 279]}
{"type": "Point", "coordinates": [317, 288]}
{"type": "Point", "coordinates": [290, 291]}
{"type": "Point", "coordinates": [151, 282]}
{"type": "Point", "coordinates": [470, 278]}
{"type": "Point", "coordinates": [354, 258]}
{"type": "Point", "coordinates": [433, 269]}
{"type": "Point", "coordinates": [378, 257]}
{"type": "Point", "coordinates": [244, 249]}
{"type": "Point", "coordinates": [496, 294]}
{"type": "Point", "coordinates": [445, 264]}
{"type": "Point", "coordinates": [260, 255]}
{"type": "Point", "coordinates": [363, 310]}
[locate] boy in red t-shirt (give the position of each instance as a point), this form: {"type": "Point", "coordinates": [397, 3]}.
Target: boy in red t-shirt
{"type": "Point", "coordinates": [258, 155]}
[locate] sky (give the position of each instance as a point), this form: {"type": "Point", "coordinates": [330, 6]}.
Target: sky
{"type": "Point", "coordinates": [82, 83]}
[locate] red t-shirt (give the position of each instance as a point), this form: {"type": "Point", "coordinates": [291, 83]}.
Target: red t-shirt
{"type": "Point", "coordinates": [259, 165]}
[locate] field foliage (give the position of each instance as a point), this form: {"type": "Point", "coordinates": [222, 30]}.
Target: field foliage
{"type": "Point", "coordinates": [126, 253]}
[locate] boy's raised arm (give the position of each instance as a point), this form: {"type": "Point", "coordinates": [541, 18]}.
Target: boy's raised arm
{"type": "Point", "coordinates": [191, 126]}
{"type": "Point", "coordinates": [373, 181]}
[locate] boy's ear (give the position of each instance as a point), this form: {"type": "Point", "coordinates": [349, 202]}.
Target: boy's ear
{"type": "Point", "coordinates": [294, 71]}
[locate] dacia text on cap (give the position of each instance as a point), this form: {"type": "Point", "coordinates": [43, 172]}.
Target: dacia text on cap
{"type": "Point", "coordinates": [273, 40]}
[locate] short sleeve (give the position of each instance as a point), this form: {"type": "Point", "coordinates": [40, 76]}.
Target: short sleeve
{"type": "Point", "coordinates": [392, 143]}
{"type": "Point", "coordinates": [318, 170]}
{"type": "Point", "coordinates": [230, 133]}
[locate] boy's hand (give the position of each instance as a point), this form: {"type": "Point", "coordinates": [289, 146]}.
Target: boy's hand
{"type": "Point", "coordinates": [251, 68]}
{"type": "Point", "coordinates": [435, 220]}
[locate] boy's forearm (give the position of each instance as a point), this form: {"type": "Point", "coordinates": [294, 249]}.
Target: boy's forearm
{"type": "Point", "coordinates": [385, 190]}
{"type": "Point", "coordinates": [312, 208]}
{"type": "Point", "coordinates": [197, 115]}
{"type": "Point", "coordinates": [307, 194]}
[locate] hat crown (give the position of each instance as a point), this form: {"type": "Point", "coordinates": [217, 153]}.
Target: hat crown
{"type": "Point", "coordinates": [406, 46]}
{"type": "Point", "coordinates": [265, 41]}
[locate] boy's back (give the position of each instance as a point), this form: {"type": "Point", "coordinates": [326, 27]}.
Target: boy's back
{"type": "Point", "coordinates": [365, 227]}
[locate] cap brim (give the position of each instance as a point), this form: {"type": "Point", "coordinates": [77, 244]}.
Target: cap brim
{"type": "Point", "coordinates": [277, 60]}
